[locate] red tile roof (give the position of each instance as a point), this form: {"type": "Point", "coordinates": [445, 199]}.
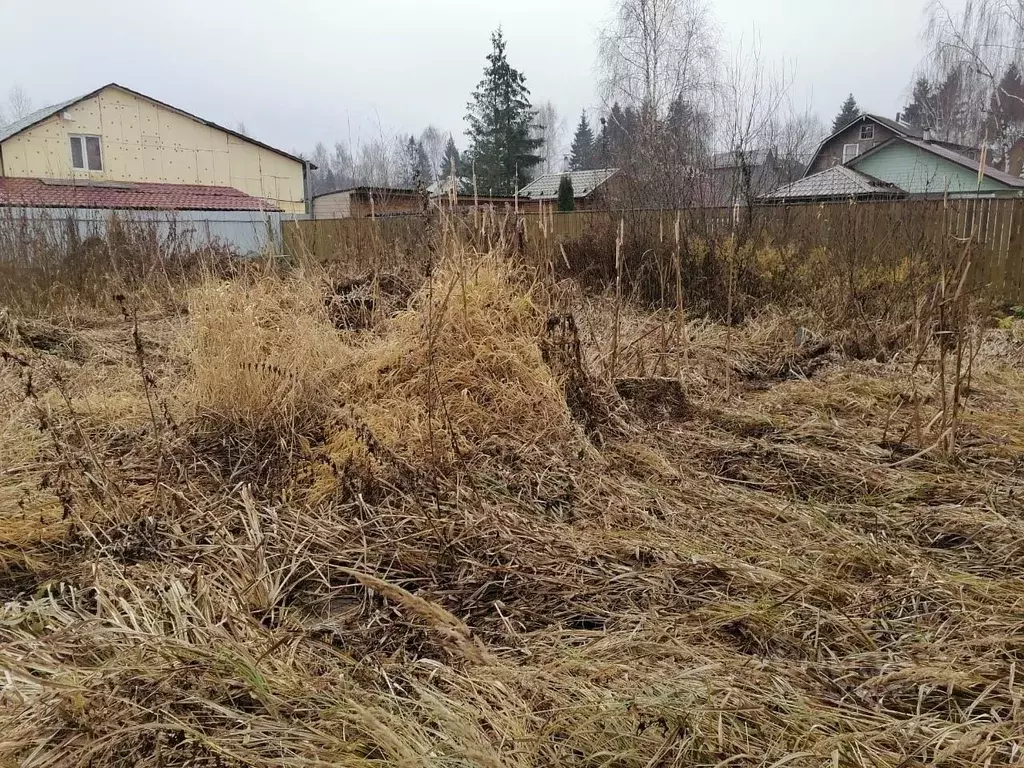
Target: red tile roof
{"type": "Point", "coordinates": [47, 193]}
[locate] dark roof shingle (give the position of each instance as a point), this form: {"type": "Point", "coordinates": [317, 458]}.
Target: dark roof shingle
{"type": "Point", "coordinates": [583, 183]}
{"type": "Point", "coordinates": [838, 182]}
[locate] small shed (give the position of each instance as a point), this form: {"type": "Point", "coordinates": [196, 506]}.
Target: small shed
{"type": "Point", "coordinates": [363, 201]}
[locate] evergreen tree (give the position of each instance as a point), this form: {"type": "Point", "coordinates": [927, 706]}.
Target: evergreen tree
{"type": "Point", "coordinates": [847, 114]}
{"type": "Point", "coordinates": [452, 161]}
{"type": "Point", "coordinates": [684, 132]}
{"type": "Point", "coordinates": [500, 118]}
{"type": "Point", "coordinates": [422, 173]}
{"type": "Point", "coordinates": [921, 108]}
{"type": "Point", "coordinates": [415, 165]}
{"type": "Point", "coordinates": [618, 130]}
{"type": "Point", "coordinates": [1006, 115]}
{"type": "Point", "coordinates": [582, 151]}
{"type": "Point", "coordinates": [330, 183]}
{"type": "Point", "coordinates": [1008, 101]}
{"type": "Point", "coordinates": [952, 114]}
{"type": "Point", "coordinates": [566, 197]}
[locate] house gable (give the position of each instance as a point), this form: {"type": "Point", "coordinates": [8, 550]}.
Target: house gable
{"type": "Point", "coordinates": [830, 152]}
{"type": "Point", "coordinates": [143, 140]}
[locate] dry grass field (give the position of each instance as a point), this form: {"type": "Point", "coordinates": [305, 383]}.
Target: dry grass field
{"type": "Point", "coordinates": [433, 524]}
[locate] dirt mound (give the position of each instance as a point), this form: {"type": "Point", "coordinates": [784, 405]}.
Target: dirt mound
{"type": "Point", "coordinates": [357, 303]}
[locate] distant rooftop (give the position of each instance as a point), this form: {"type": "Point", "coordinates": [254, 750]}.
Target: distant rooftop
{"type": "Point", "coordinates": [449, 184]}
{"type": "Point", "coordinates": [54, 193]}
{"type": "Point", "coordinates": [836, 183]}
{"type": "Point", "coordinates": [583, 183]}
{"type": "Point", "coordinates": [754, 158]}
{"type": "Point", "coordinates": [380, 190]}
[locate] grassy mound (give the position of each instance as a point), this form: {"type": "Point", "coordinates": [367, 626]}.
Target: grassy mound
{"type": "Point", "coordinates": [461, 370]}
{"type": "Point", "coordinates": [245, 536]}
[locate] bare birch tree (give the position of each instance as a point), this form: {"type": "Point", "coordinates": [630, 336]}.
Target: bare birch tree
{"type": "Point", "coordinates": [551, 131]}
{"type": "Point", "coordinates": [754, 95]}
{"type": "Point", "coordinates": [658, 65]}
{"type": "Point", "coordinates": [434, 141]}
{"type": "Point", "coordinates": [376, 164]}
{"type": "Point", "coordinates": [19, 103]}
{"type": "Point", "coordinates": [798, 136]}
{"type": "Point", "coordinates": [980, 43]}
{"type": "Point", "coordinates": [323, 180]}
{"type": "Point", "coordinates": [655, 51]}
{"type": "Point", "coordinates": [342, 165]}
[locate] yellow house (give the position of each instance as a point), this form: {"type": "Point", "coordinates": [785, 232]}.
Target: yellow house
{"type": "Point", "coordinates": [115, 134]}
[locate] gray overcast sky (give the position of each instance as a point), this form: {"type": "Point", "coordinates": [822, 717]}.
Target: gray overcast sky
{"type": "Point", "coordinates": [306, 70]}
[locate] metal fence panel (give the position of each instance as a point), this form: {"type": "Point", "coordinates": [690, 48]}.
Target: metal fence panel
{"type": "Point", "coordinates": [247, 232]}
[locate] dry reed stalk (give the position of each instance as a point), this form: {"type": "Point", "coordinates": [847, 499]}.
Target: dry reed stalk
{"type": "Point", "coordinates": [680, 329]}
{"type": "Point", "coordinates": [613, 366]}
{"type": "Point", "coordinates": [476, 201]}
{"type": "Point", "coordinates": [728, 314]}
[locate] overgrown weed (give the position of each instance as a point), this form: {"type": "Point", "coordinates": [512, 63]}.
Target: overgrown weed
{"type": "Point", "coordinates": [247, 535]}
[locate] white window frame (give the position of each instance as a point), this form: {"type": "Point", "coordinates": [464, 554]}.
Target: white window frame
{"type": "Point", "coordinates": [867, 132]}
{"type": "Point", "coordinates": [85, 152]}
{"type": "Point", "coordinates": [848, 155]}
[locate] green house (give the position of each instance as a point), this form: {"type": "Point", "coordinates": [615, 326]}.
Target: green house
{"type": "Point", "coordinates": [927, 169]}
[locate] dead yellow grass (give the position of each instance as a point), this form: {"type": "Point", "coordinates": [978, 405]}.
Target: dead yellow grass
{"type": "Point", "coordinates": [268, 541]}
{"type": "Point", "coordinates": [264, 356]}
{"type": "Point", "coordinates": [460, 370]}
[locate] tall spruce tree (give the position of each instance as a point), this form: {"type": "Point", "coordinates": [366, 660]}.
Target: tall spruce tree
{"type": "Point", "coordinates": [582, 151]}
{"type": "Point", "coordinates": [954, 118]}
{"type": "Point", "coordinates": [451, 163]}
{"type": "Point", "coordinates": [618, 131]}
{"type": "Point", "coordinates": [500, 119]}
{"type": "Point", "coordinates": [847, 114]}
{"type": "Point", "coordinates": [415, 172]}
{"type": "Point", "coordinates": [919, 112]}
